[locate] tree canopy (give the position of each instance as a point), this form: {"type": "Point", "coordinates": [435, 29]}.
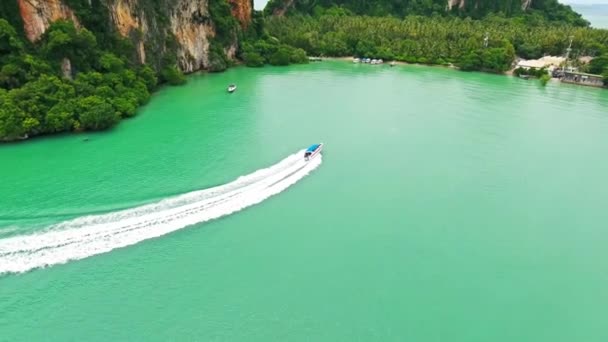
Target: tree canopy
{"type": "Point", "coordinates": [435, 40]}
{"type": "Point", "coordinates": [36, 97]}
{"type": "Point", "coordinates": [547, 10]}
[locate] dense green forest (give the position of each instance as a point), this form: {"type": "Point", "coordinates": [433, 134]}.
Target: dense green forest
{"type": "Point", "coordinates": [36, 98]}
{"type": "Point", "coordinates": [436, 40]}
{"type": "Point", "coordinates": [258, 48]}
{"type": "Point", "coordinates": [549, 10]}
{"type": "Point", "coordinates": [74, 79]}
{"type": "Point", "coordinates": [88, 78]}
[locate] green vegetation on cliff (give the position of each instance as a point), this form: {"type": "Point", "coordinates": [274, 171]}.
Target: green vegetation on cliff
{"type": "Point", "coordinates": [270, 51]}
{"type": "Point", "coordinates": [435, 40]}
{"type": "Point", "coordinates": [258, 47]}
{"type": "Point", "coordinates": [539, 10]}
{"type": "Point", "coordinates": [80, 79]}
{"type": "Point", "coordinates": [9, 10]}
{"type": "Point", "coordinates": [65, 82]}
{"type": "Point", "coordinates": [227, 33]}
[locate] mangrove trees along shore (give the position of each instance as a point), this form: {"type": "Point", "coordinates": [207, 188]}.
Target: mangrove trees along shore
{"type": "Point", "coordinates": [436, 40]}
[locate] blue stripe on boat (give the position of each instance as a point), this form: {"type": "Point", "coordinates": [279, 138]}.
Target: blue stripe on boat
{"type": "Point", "coordinates": [313, 148]}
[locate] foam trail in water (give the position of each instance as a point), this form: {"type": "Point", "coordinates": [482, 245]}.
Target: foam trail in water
{"type": "Point", "coordinates": [91, 235]}
{"type": "Point", "coordinates": [8, 230]}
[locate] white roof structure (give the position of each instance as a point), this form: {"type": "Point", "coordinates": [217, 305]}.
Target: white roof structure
{"type": "Point", "coordinates": [544, 62]}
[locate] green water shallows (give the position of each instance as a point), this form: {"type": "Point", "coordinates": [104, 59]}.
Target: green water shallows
{"type": "Point", "coordinates": [449, 207]}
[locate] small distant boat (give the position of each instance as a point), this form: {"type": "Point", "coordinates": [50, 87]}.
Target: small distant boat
{"type": "Point", "coordinates": [374, 61]}
{"type": "Point", "coordinates": [393, 63]}
{"type": "Point", "coordinates": [312, 151]}
{"type": "Point", "coordinates": [380, 61]}
{"type": "Point", "coordinates": [525, 77]}
{"type": "Point", "coordinates": [367, 60]}
{"type": "Point", "coordinates": [231, 88]}
{"type": "Point", "coordinates": [356, 60]}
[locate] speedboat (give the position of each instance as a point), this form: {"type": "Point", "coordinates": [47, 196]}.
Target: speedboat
{"type": "Point", "coordinates": [312, 151]}
{"type": "Point", "coordinates": [356, 60]}
{"type": "Point", "coordinates": [231, 88]}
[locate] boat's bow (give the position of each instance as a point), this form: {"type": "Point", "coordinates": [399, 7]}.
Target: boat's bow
{"type": "Point", "coordinates": [313, 151]}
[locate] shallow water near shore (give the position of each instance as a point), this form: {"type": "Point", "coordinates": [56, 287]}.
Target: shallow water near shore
{"type": "Point", "coordinates": [448, 206]}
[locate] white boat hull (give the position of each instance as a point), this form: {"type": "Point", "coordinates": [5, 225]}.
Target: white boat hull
{"type": "Point", "coordinates": [315, 153]}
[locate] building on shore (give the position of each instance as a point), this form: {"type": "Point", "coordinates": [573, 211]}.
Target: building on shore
{"type": "Point", "coordinates": [548, 62]}
{"type": "Point", "coordinates": [582, 79]}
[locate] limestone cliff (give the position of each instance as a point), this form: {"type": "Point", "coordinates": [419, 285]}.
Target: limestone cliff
{"type": "Point", "coordinates": [188, 22]}
{"type": "Point", "coordinates": [37, 15]}
{"type": "Point", "coordinates": [241, 10]}
{"type": "Point", "coordinates": [128, 20]}
{"type": "Point", "coordinates": [525, 4]}
{"type": "Point", "coordinates": [156, 27]}
{"type": "Point", "coordinates": [192, 28]}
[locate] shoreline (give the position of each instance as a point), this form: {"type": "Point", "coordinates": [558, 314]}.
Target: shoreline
{"type": "Point", "coordinates": [446, 66]}
{"type": "Point", "coordinates": [350, 59]}
{"type": "Point", "coordinates": [510, 72]}
{"type": "Point", "coordinates": [238, 63]}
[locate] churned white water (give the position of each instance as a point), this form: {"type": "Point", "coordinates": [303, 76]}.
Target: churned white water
{"type": "Point", "coordinates": [91, 235]}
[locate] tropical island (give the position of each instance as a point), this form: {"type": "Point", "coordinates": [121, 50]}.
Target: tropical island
{"type": "Point", "coordinates": [78, 65]}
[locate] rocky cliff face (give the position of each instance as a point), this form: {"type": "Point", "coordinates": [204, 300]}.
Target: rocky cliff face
{"type": "Point", "coordinates": [150, 25]}
{"type": "Point", "coordinates": [188, 22]}
{"type": "Point", "coordinates": [127, 20]}
{"type": "Point", "coordinates": [192, 28]}
{"type": "Point", "coordinates": [525, 4]}
{"type": "Point", "coordinates": [38, 15]}
{"type": "Point", "coordinates": [241, 10]}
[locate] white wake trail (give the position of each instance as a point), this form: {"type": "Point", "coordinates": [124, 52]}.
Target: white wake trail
{"type": "Point", "coordinates": [91, 235]}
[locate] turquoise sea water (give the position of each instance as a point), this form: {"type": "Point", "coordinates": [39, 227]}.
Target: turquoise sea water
{"type": "Point", "coordinates": [447, 206]}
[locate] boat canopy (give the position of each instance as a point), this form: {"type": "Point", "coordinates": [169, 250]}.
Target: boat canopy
{"type": "Point", "coordinates": [312, 148]}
